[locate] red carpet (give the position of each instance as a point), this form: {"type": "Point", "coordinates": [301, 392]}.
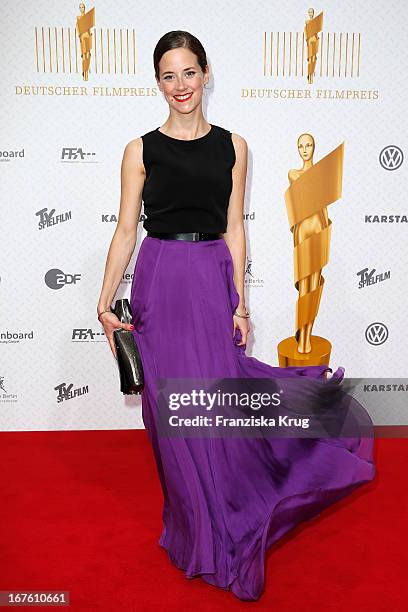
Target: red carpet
{"type": "Point", "coordinates": [81, 512]}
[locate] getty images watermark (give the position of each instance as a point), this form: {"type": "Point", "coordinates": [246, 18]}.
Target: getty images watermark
{"type": "Point", "coordinates": [259, 407]}
{"type": "Point", "coordinates": [210, 401]}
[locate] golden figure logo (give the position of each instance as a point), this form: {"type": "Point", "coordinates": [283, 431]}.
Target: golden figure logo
{"type": "Point", "coordinates": [84, 23]}
{"type": "Point", "coordinates": [311, 53]}
{"type": "Point", "coordinates": [312, 188]}
{"type": "Point", "coordinates": [313, 26]}
{"type": "Point", "coordinates": [68, 50]}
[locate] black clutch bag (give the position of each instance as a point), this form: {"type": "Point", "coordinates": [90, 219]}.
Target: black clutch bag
{"type": "Point", "coordinates": [128, 356]}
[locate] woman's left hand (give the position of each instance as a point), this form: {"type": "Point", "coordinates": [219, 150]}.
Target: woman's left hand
{"type": "Point", "coordinates": [242, 324]}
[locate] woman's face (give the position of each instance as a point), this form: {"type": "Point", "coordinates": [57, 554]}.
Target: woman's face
{"type": "Point", "coordinates": [306, 147]}
{"type": "Point", "coordinates": [181, 79]}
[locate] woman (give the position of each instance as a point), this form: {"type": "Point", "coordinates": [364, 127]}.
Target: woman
{"type": "Point", "coordinates": [226, 500]}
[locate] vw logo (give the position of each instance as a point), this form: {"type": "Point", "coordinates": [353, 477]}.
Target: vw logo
{"type": "Point", "coordinates": [376, 333]}
{"type": "Point", "coordinates": [391, 157]}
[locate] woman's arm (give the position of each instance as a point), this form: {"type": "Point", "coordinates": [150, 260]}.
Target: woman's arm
{"type": "Point", "coordinates": [124, 239]}
{"type": "Point", "coordinates": [235, 234]}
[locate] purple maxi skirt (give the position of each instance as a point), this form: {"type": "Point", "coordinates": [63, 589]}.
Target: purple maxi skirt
{"type": "Point", "coordinates": [226, 500]}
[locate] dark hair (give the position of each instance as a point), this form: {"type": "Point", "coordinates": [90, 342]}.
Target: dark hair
{"type": "Point", "coordinates": [175, 40]}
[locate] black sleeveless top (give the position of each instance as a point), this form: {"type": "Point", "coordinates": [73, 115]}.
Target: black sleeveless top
{"type": "Point", "coordinates": [188, 182]}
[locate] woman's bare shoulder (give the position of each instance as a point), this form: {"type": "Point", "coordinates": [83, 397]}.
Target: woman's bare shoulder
{"type": "Point", "coordinates": [237, 138]}
{"type": "Point", "coordinates": [240, 146]}
{"type": "Point", "coordinates": [134, 146]}
{"type": "Point", "coordinates": [239, 142]}
{"type": "Point", "coordinates": [133, 153]}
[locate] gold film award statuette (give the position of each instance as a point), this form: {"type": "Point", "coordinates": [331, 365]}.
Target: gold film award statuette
{"type": "Point", "coordinates": [313, 26]}
{"type": "Point", "coordinates": [312, 188]}
{"type": "Point", "coordinates": [84, 23]}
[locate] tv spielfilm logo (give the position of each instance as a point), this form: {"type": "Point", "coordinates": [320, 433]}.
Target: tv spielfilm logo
{"type": "Point", "coordinates": [83, 48]}
{"type": "Point", "coordinates": [311, 53]}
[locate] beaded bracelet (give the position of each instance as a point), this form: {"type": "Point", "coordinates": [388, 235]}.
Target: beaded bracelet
{"type": "Point", "coordinates": [102, 312]}
{"type": "Point", "coordinates": [245, 316]}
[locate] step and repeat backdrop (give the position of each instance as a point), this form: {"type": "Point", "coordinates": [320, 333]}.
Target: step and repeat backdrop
{"type": "Point", "coordinates": [77, 84]}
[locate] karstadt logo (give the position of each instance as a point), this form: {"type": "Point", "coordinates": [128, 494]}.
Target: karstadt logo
{"type": "Point", "coordinates": [48, 218]}
{"type": "Point", "coordinates": [77, 154]}
{"type": "Point", "coordinates": [391, 157]}
{"type": "Point", "coordinates": [112, 218]}
{"type": "Point", "coordinates": [386, 219]}
{"type": "Point", "coordinates": [385, 388]}
{"type": "Point", "coordinates": [56, 279]}
{"type": "Point", "coordinates": [376, 333]}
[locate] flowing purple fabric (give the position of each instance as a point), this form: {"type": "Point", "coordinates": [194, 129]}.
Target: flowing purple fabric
{"type": "Point", "coordinates": [226, 500]}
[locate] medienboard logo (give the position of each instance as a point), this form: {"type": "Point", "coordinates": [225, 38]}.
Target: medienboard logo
{"type": "Point", "coordinates": [376, 333]}
{"type": "Point", "coordinates": [7, 156]}
{"type": "Point", "coordinates": [391, 157]}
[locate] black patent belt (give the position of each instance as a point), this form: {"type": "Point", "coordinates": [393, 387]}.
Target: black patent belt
{"type": "Point", "coordinates": [184, 235]}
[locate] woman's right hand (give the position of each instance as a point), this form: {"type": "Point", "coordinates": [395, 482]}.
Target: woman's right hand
{"type": "Point", "coordinates": [110, 322]}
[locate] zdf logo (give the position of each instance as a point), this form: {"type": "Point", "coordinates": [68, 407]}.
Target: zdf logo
{"type": "Point", "coordinates": [391, 157]}
{"type": "Point", "coordinates": [376, 333]}
{"type": "Point", "coordinates": [56, 279]}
